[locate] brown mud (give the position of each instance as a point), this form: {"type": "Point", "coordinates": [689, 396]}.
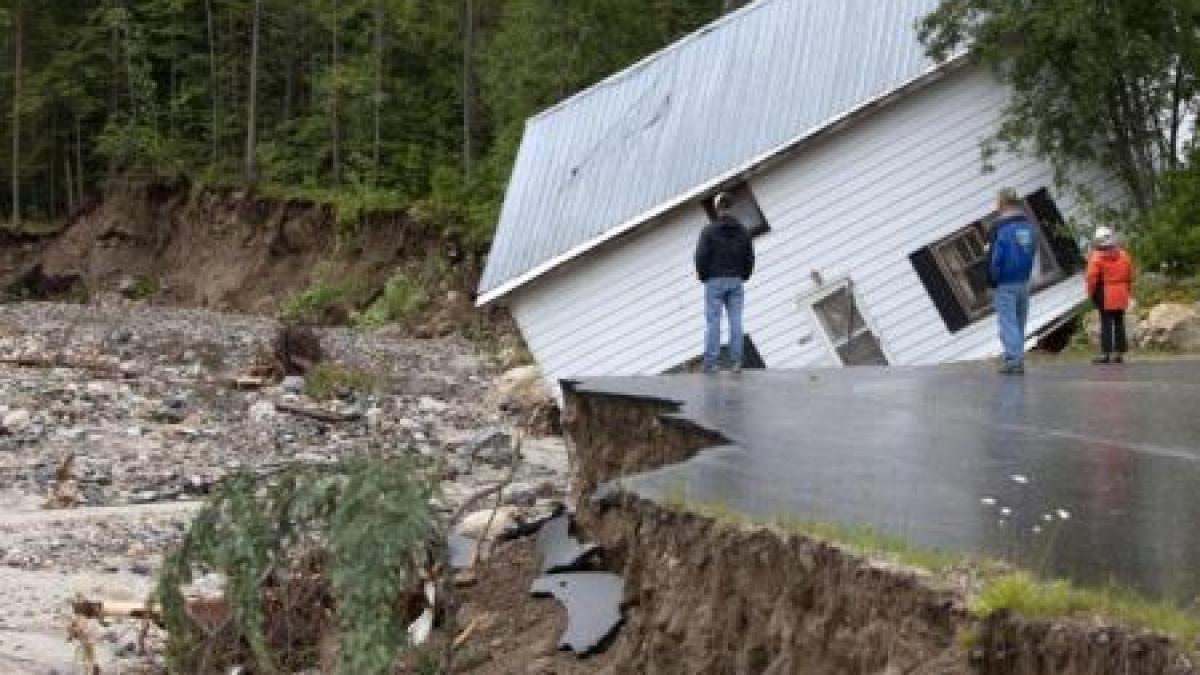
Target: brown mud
{"type": "Point", "coordinates": [235, 251]}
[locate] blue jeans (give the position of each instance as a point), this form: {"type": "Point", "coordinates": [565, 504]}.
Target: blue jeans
{"type": "Point", "coordinates": [729, 293]}
{"type": "Point", "coordinates": [1012, 313]}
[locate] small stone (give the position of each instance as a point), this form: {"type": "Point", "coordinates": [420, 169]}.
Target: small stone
{"type": "Point", "coordinates": [293, 384]}
{"type": "Point", "coordinates": [521, 494]}
{"type": "Point", "coordinates": [17, 420]}
{"type": "Point", "coordinates": [475, 524]}
{"type": "Point", "coordinates": [432, 405]}
{"type": "Point", "coordinates": [141, 569]}
{"type": "Point", "coordinates": [262, 411]}
{"type": "Point", "coordinates": [374, 417]}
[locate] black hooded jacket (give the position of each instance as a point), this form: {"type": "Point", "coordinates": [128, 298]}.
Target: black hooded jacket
{"type": "Point", "coordinates": [724, 250]}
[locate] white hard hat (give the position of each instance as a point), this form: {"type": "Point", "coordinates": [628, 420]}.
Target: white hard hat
{"type": "Point", "coordinates": [1104, 236]}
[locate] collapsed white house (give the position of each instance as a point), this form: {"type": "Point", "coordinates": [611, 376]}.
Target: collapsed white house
{"type": "Point", "coordinates": [854, 158]}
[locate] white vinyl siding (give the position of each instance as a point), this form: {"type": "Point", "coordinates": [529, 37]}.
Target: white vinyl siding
{"type": "Point", "coordinates": [854, 205]}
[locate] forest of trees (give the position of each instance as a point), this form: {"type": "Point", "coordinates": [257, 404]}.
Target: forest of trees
{"type": "Point", "coordinates": [386, 102]}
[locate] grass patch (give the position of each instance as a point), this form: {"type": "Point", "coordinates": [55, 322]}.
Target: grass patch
{"type": "Point", "coordinates": [144, 287]}
{"type": "Point", "coordinates": [33, 228]}
{"type": "Point", "coordinates": [400, 300]}
{"type": "Point", "coordinates": [331, 380]}
{"type": "Point", "coordinates": [867, 542]}
{"type": "Point", "coordinates": [999, 587]}
{"type": "Point", "coordinates": [324, 302]}
{"type": "Point", "coordinates": [1155, 290]}
{"type": "Point", "coordinates": [1021, 593]}
{"type": "Point", "coordinates": [872, 543]}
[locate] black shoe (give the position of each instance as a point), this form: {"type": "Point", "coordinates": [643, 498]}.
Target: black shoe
{"type": "Point", "coordinates": [1101, 360]}
{"type": "Point", "coordinates": [1118, 359]}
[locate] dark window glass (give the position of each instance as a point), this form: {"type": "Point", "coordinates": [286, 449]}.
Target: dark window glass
{"type": "Point", "coordinates": [744, 207]}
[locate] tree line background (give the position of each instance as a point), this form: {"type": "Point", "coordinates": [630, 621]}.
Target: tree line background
{"type": "Point", "coordinates": [391, 104]}
{"type": "Point", "coordinates": [379, 103]}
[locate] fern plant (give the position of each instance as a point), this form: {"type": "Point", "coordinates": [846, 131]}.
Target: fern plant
{"type": "Point", "coordinates": [339, 545]}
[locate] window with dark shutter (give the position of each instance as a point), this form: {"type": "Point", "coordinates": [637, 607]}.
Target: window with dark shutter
{"type": "Point", "coordinates": [954, 270]}
{"type": "Point", "coordinates": [1062, 240]}
{"type": "Point", "coordinates": [743, 206]}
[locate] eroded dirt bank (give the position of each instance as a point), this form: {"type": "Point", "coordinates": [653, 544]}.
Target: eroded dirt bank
{"type": "Point", "coordinates": [710, 596]}
{"type": "Point", "coordinates": [236, 252]}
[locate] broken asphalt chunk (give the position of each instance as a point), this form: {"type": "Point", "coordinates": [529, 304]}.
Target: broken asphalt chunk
{"type": "Point", "coordinates": [559, 551]}
{"type": "Point", "coordinates": [593, 604]}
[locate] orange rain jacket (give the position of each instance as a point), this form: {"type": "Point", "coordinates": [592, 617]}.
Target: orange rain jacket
{"type": "Point", "coordinates": [1110, 278]}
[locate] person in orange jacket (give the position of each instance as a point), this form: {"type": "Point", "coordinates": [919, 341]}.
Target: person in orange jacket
{"type": "Point", "coordinates": [1110, 286]}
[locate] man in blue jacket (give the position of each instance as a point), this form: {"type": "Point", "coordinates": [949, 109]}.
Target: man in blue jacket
{"type": "Point", "coordinates": [1014, 245]}
{"type": "Point", "coordinates": [724, 262]}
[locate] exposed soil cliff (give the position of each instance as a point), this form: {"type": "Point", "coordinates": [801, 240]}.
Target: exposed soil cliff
{"type": "Point", "coordinates": [706, 595]}
{"type": "Point", "coordinates": [233, 251]}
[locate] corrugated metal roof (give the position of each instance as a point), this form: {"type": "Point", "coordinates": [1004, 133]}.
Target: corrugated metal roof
{"type": "Point", "coordinates": [748, 84]}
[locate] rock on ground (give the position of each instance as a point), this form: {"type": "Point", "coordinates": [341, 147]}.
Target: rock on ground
{"type": "Point", "coordinates": [143, 418]}
{"type": "Point", "coordinates": [1173, 326]}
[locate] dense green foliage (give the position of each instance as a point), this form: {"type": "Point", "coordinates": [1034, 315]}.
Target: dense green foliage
{"type": "Point", "coordinates": [358, 532]}
{"type": "Point", "coordinates": [367, 103]}
{"type": "Point", "coordinates": [1108, 82]}
{"type": "Point", "coordinates": [1169, 242]}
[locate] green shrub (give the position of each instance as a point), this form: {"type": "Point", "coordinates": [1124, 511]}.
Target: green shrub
{"type": "Point", "coordinates": [400, 300]}
{"type": "Point", "coordinates": [1156, 289]}
{"type": "Point", "coordinates": [325, 302]}
{"type": "Point", "coordinates": [1170, 241]}
{"type": "Point", "coordinates": [144, 286]}
{"type": "Point", "coordinates": [330, 380]}
{"type": "Point", "coordinates": [1033, 598]}
{"type": "Point", "coordinates": [357, 532]}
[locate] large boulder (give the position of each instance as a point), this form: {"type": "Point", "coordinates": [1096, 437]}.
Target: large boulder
{"type": "Point", "coordinates": [523, 392]}
{"type": "Point", "coordinates": [523, 389]}
{"type": "Point", "coordinates": [1173, 326]}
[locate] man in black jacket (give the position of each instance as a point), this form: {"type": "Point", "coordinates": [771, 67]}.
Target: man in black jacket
{"type": "Point", "coordinates": [724, 261]}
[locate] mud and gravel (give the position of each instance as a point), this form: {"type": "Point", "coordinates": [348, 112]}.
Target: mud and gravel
{"type": "Point", "coordinates": [133, 407]}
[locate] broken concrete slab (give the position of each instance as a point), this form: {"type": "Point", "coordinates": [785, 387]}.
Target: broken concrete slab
{"type": "Point", "coordinates": [593, 604]}
{"type": "Point", "coordinates": [558, 550]}
{"type": "Point", "coordinates": [930, 455]}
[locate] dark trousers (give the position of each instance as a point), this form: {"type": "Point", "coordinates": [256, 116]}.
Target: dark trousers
{"type": "Point", "coordinates": [1112, 332]}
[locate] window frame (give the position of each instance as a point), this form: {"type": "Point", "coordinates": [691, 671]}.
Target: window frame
{"type": "Point", "coordinates": [743, 195]}
{"type": "Point", "coordinates": [867, 325]}
{"type": "Point", "coordinates": [1049, 270]}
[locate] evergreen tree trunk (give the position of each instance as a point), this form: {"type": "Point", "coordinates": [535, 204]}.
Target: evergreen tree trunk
{"type": "Point", "coordinates": [70, 183]}
{"type": "Point", "coordinates": [113, 88]}
{"type": "Point", "coordinates": [79, 160]}
{"type": "Point", "coordinates": [212, 67]}
{"type": "Point", "coordinates": [379, 17]}
{"type": "Point", "coordinates": [334, 122]}
{"type": "Point", "coordinates": [18, 55]}
{"type": "Point", "coordinates": [468, 52]}
{"type": "Point", "coordinates": [249, 167]}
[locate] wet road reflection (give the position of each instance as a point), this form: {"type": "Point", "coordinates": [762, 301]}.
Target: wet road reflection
{"type": "Point", "coordinates": [1074, 471]}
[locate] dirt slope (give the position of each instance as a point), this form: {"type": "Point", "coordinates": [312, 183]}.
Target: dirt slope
{"type": "Point", "coordinates": [231, 251]}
